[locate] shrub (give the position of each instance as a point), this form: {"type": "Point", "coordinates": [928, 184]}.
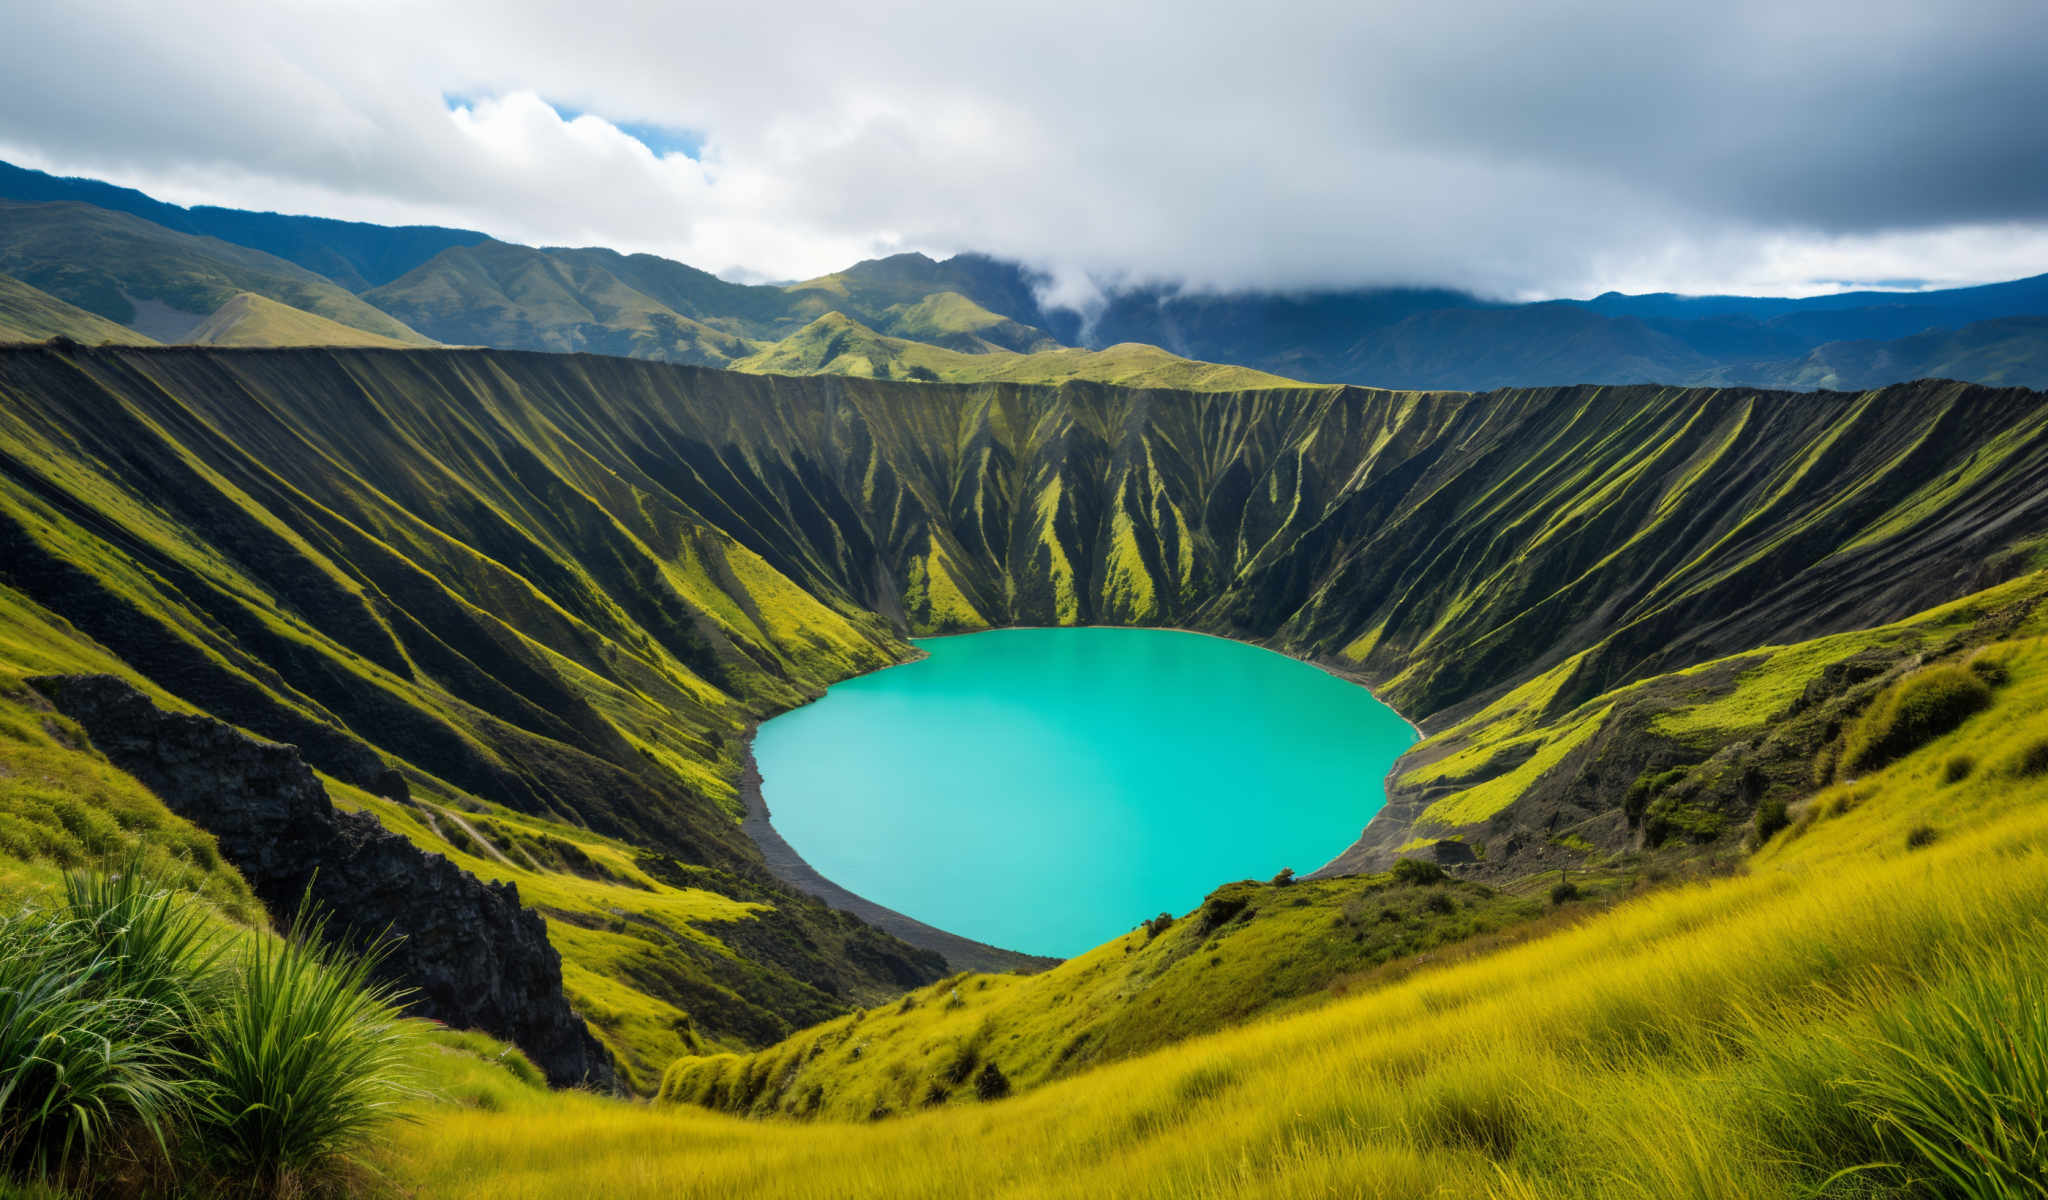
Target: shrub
{"type": "Point", "coordinates": [1285, 878]}
{"type": "Point", "coordinates": [302, 1061]}
{"type": "Point", "coordinates": [1440, 903]}
{"type": "Point", "coordinates": [1418, 871]}
{"type": "Point", "coordinates": [1911, 713]}
{"type": "Point", "coordinates": [1221, 908]}
{"type": "Point", "coordinates": [1564, 891]}
{"type": "Point", "coordinates": [1921, 836]}
{"type": "Point", "coordinates": [2032, 759]}
{"type": "Point", "coordinates": [1771, 816]}
{"type": "Point", "coordinates": [1647, 787]}
{"type": "Point", "coordinates": [991, 1084]}
{"type": "Point", "coordinates": [1991, 671]}
{"type": "Point", "coordinates": [965, 1058]}
{"type": "Point", "coordinates": [1158, 925]}
{"type": "Point", "coordinates": [1958, 768]}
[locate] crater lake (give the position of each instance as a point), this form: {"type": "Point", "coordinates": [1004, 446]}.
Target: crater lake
{"type": "Point", "coordinates": [1046, 790]}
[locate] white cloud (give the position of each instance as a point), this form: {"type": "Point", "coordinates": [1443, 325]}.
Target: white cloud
{"type": "Point", "coordinates": [1511, 148]}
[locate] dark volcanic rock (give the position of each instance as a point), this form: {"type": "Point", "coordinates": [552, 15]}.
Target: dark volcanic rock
{"type": "Point", "coordinates": [475, 957]}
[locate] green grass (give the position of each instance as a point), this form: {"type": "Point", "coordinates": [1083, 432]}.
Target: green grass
{"type": "Point", "coordinates": [1911, 712]}
{"type": "Point", "coordinates": [248, 319]}
{"type": "Point", "coordinates": [83, 1060]}
{"type": "Point", "coordinates": [31, 315]}
{"type": "Point", "coordinates": [1251, 949]}
{"type": "Point", "coordinates": [300, 1063]}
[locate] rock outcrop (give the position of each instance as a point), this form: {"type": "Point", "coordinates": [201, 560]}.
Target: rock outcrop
{"type": "Point", "coordinates": [475, 957]}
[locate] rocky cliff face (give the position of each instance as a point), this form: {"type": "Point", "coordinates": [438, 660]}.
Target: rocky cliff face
{"type": "Point", "coordinates": [474, 956]}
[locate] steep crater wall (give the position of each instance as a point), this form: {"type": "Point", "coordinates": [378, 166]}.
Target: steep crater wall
{"type": "Point", "coordinates": [474, 957]}
{"type": "Point", "coordinates": [569, 584]}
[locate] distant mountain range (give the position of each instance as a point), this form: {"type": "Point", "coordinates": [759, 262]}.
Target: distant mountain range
{"type": "Point", "coordinates": [96, 262]}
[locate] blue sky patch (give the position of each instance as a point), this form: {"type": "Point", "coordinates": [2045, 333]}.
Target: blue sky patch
{"type": "Point", "coordinates": [663, 140]}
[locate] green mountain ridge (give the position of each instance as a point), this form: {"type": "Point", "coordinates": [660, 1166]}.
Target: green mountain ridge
{"type": "Point", "coordinates": [461, 287]}
{"type": "Point", "coordinates": [2006, 351]}
{"type": "Point", "coordinates": [157, 281]}
{"type": "Point", "coordinates": [836, 344]}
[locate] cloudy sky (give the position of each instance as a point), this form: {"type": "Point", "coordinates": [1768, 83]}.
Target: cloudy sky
{"type": "Point", "coordinates": [1514, 148]}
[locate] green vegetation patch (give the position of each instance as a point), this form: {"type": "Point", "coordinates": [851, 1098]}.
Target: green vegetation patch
{"type": "Point", "coordinates": [1249, 949]}
{"type": "Point", "coordinates": [1911, 713]}
{"type": "Point", "coordinates": [141, 1046]}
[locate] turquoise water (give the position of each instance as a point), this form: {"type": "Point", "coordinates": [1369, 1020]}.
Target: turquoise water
{"type": "Point", "coordinates": [1047, 789]}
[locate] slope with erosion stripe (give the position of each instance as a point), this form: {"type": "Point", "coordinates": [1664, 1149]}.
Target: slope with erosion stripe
{"type": "Point", "coordinates": [380, 580]}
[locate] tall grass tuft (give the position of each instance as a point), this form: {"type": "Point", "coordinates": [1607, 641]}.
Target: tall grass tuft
{"type": "Point", "coordinates": [156, 948]}
{"type": "Point", "coordinates": [1935, 1093]}
{"type": "Point", "coordinates": [1959, 1078]}
{"type": "Point", "coordinates": [81, 1065]}
{"type": "Point", "coordinates": [303, 1059]}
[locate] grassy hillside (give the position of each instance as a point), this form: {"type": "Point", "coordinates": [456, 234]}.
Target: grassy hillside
{"type": "Point", "coordinates": [1864, 996]}
{"type": "Point", "coordinates": [62, 807]}
{"type": "Point", "coordinates": [30, 315]}
{"type": "Point", "coordinates": [253, 320]}
{"type": "Point", "coordinates": [870, 291]}
{"type": "Point", "coordinates": [157, 281]}
{"type": "Point", "coordinates": [836, 344]}
{"type": "Point", "coordinates": [494, 294]}
{"type": "Point", "coordinates": [1251, 949]}
{"type": "Point", "coordinates": [355, 254]}
{"type": "Point", "coordinates": [953, 322]}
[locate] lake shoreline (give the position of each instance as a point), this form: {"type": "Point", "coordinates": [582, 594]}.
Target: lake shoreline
{"type": "Point", "coordinates": [789, 866]}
